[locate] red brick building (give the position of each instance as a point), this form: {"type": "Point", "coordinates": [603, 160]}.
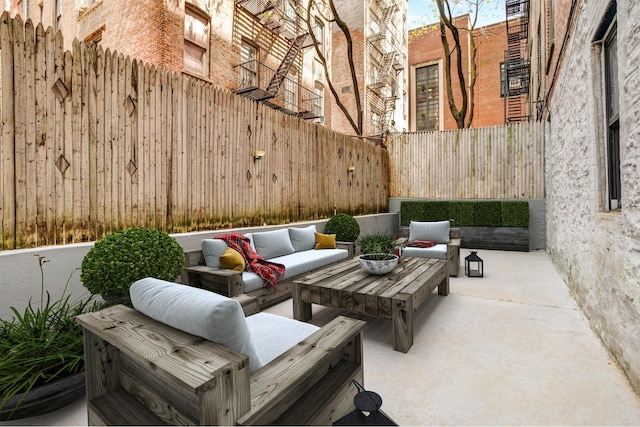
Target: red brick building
{"type": "Point", "coordinates": [237, 45]}
{"type": "Point", "coordinates": [241, 45]}
{"type": "Point", "coordinates": [428, 105]}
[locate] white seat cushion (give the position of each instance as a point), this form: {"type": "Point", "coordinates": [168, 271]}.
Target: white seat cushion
{"type": "Point", "coordinates": [251, 281]}
{"type": "Point", "coordinates": [273, 335]}
{"type": "Point", "coordinates": [299, 263]}
{"type": "Point", "coordinates": [197, 312]}
{"type": "Point", "coordinates": [438, 251]}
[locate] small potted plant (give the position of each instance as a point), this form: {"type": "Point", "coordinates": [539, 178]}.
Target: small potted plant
{"type": "Point", "coordinates": [123, 257]}
{"type": "Point", "coordinates": [344, 226]}
{"type": "Point", "coordinates": [42, 355]}
{"type": "Point", "coordinates": [377, 255]}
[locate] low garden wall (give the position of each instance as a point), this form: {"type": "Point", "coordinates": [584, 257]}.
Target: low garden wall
{"type": "Point", "coordinates": [20, 279]}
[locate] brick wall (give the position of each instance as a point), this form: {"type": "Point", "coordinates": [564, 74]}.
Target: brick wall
{"type": "Point", "coordinates": [342, 78]}
{"type": "Point", "coordinates": [426, 48]}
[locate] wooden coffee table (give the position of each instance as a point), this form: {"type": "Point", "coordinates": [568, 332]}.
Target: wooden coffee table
{"type": "Point", "coordinates": [394, 296]}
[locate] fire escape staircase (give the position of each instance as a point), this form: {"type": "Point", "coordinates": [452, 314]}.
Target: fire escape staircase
{"type": "Point", "coordinates": [267, 95]}
{"type": "Point", "coordinates": [285, 65]}
{"type": "Point", "coordinates": [516, 65]}
{"type": "Point", "coordinates": [384, 86]}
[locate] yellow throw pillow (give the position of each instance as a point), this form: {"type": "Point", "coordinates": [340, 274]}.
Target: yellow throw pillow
{"type": "Point", "coordinates": [325, 241]}
{"type": "Point", "coordinates": [232, 260]}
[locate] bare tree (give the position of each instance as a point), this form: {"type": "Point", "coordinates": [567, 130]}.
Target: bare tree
{"type": "Point", "coordinates": [451, 37]}
{"type": "Point", "coordinates": [328, 13]}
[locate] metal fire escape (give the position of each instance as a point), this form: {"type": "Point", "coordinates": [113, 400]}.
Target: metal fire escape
{"type": "Point", "coordinates": [386, 64]}
{"type": "Point", "coordinates": [262, 83]}
{"type": "Point", "coordinates": [517, 66]}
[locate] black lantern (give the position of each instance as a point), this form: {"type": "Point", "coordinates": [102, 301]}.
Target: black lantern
{"type": "Point", "coordinates": [473, 265]}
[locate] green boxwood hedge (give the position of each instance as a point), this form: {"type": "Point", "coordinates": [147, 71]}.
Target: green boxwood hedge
{"type": "Point", "coordinates": [467, 213]}
{"type": "Point", "coordinates": [487, 214]}
{"type": "Point", "coordinates": [515, 213]}
{"type": "Point", "coordinates": [437, 211]}
{"type": "Point", "coordinates": [411, 211]}
{"type": "Point", "coordinates": [461, 213]}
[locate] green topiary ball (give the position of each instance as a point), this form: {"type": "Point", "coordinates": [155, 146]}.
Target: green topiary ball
{"type": "Point", "coordinates": [125, 256]}
{"type": "Point", "coordinates": [344, 226]}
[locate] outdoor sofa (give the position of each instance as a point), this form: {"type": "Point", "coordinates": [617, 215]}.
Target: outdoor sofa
{"type": "Point", "coordinates": [293, 247]}
{"type": "Point", "coordinates": [189, 356]}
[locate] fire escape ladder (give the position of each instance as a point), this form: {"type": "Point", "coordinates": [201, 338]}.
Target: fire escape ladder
{"type": "Point", "coordinates": [285, 65]}
{"type": "Point", "coordinates": [389, 109]}
{"type": "Point", "coordinates": [516, 64]}
{"type": "Point", "coordinates": [386, 16]}
{"type": "Point", "coordinates": [385, 65]}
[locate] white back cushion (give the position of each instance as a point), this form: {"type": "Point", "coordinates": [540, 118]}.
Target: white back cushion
{"type": "Point", "coordinates": [197, 312]}
{"type": "Point", "coordinates": [212, 250]}
{"type": "Point", "coordinates": [303, 239]}
{"type": "Point", "coordinates": [276, 334]}
{"type": "Point", "coordinates": [270, 244]}
{"type": "Point", "coordinates": [437, 231]}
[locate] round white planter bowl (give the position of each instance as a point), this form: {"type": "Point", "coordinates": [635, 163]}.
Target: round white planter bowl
{"type": "Point", "coordinates": [378, 266]}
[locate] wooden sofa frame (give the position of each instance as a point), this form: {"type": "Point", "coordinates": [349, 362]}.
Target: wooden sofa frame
{"type": "Point", "coordinates": [229, 282]}
{"type": "Point", "coordinates": [143, 372]}
{"type": "Point", "coordinates": [453, 249]}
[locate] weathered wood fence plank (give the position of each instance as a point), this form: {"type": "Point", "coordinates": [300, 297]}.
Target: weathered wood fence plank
{"type": "Point", "coordinates": [502, 162]}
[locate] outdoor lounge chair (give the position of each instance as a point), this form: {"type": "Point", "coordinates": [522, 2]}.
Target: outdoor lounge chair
{"type": "Point", "coordinates": [189, 356]}
{"type": "Point", "coordinates": [447, 243]}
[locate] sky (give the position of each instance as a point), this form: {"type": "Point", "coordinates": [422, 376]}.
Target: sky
{"type": "Point", "coordinates": [423, 12]}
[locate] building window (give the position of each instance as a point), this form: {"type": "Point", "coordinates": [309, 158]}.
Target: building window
{"type": "Point", "coordinates": [290, 10]}
{"type": "Point", "coordinates": [427, 98]}
{"type": "Point", "coordinates": [318, 92]}
{"type": "Point", "coordinates": [503, 80]}
{"type": "Point", "coordinates": [291, 91]}
{"type": "Point", "coordinates": [516, 81]}
{"type": "Point", "coordinates": [613, 118]}
{"type": "Point", "coordinates": [318, 32]}
{"type": "Point", "coordinates": [248, 66]}
{"type": "Point", "coordinates": [196, 41]}
{"type": "Point", "coordinates": [58, 13]}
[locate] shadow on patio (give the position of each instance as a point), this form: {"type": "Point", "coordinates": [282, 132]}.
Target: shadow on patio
{"type": "Point", "coordinates": [511, 348]}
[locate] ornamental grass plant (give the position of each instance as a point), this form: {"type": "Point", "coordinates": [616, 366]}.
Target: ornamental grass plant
{"type": "Point", "coordinates": [376, 245]}
{"type": "Point", "coordinates": [43, 343]}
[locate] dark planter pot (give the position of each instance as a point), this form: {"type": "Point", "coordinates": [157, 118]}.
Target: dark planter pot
{"type": "Point", "coordinates": [45, 398]}
{"type": "Point", "coordinates": [115, 300]}
{"type": "Point", "coordinates": [500, 238]}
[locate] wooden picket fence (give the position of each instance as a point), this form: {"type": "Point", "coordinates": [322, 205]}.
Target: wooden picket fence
{"type": "Point", "coordinates": [500, 162]}
{"type": "Point", "coordinates": [92, 142]}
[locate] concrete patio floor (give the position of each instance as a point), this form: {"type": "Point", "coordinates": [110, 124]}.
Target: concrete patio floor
{"type": "Point", "coordinates": [511, 348]}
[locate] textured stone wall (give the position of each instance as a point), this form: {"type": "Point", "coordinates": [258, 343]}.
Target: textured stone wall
{"type": "Point", "coordinates": [597, 252]}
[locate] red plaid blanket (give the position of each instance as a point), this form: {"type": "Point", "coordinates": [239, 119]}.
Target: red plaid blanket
{"type": "Point", "coordinates": [421, 244]}
{"type": "Point", "coordinates": [270, 272]}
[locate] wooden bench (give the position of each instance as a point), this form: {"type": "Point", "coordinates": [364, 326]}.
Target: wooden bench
{"type": "Point", "coordinates": [229, 282]}
{"type": "Point", "coordinates": [143, 372]}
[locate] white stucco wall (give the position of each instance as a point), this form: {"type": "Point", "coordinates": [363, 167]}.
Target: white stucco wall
{"type": "Point", "coordinates": [597, 252]}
